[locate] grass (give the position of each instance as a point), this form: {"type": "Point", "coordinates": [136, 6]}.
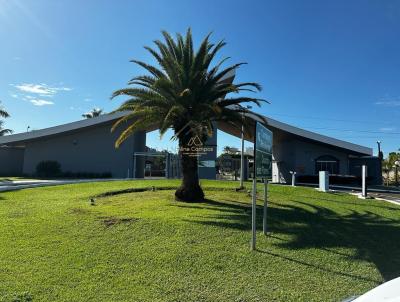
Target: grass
{"type": "Point", "coordinates": [145, 246]}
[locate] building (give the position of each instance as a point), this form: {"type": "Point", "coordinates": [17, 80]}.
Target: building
{"type": "Point", "coordinates": [88, 146]}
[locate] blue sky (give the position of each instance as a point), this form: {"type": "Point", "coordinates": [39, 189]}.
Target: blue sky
{"type": "Point", "coordinates": [328, 66]}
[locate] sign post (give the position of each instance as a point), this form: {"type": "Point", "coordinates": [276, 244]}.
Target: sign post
{"type": "Point", "coordinates": [253, 215]}
{"type": "Point", "coordinates": [265, 206]}
{"type": "Point", "coordinates": [262, 169]}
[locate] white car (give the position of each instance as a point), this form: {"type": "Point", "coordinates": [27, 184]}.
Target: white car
{"type": "Point", "coordinates": [386, 292]}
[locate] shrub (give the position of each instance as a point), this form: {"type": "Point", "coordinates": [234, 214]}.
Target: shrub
{"type": "Point", "coordinates": [48, 168]}
{"type": "Point", "coordinates": [69, 174]}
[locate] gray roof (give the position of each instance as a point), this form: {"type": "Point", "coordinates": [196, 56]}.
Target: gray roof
{"type": "Point", "coordinates": [315, 136]}
{"type": "Point", "coordinates": [15, 139]}
{"type": "Point", "coordinates": [37, 134]}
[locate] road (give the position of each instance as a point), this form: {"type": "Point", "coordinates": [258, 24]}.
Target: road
{"type": "Point", "coordinates": [393, 197]}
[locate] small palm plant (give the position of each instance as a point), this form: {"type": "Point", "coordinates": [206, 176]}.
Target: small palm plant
{"type": "Point", "coordinates": [187, 93]}
{"type": "Point", "coordinates": [4, 114]}
{"type": "Point", "coordinates": [93, 113]}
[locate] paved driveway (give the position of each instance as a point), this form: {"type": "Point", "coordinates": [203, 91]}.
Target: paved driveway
{"type": "Point", "coordinates": [393, 197]}
{"type": "Point", "coordinates": [34, 183]}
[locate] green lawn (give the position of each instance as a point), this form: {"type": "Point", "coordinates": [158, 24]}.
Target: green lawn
{"type": "Point", "coordinates": [144, 246]}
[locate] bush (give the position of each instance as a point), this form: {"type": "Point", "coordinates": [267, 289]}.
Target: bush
{"type": "Point", "coordinates": [69, 174]}
{"type": "Point", "coordinates": [48, 168]}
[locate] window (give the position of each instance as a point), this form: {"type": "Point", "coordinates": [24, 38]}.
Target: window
{"type": "Point", "coordinates": [327, 163]}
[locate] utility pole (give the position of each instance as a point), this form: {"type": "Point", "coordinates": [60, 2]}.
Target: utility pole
{"type": "Point", "coordinates": [380, 156]}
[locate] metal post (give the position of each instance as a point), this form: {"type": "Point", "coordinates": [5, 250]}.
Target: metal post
{"type": "Point", "coordinates": [293, 178]}
{"type": "Point", "coordinates": [167, 166]}
{"type": "Point", "coordinates": [242, 158]}
{"type": "Point", "coordinates": [253, 216]}
{"type": "Point", "coordinates": [364, 181]}
{"type": "Point", "coordinates": [379, 150]}
{"type": "Point", "coordinates": [242, 155]}
{"type": "Point", "coordinates": [134, 166]}
{"type": "Point", "coordinates": [265, 206]}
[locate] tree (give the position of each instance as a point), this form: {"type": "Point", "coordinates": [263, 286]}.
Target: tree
{"type": "Point", "coordinates": [227, 149]}
{"type": "Point", "coordinates": [389, 163]}
{"type": "Point", "coordinates": [187, 93]}
{"type": "Point", "coordinates": [4, 114]}
{"type": "Point", "coordinates": [390, 160]}
{"type": "Point", "coordinates": [93, 113]}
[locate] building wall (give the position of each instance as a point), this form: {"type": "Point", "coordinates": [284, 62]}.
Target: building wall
{"type": "Point", "coordinates": [92, 150]}
{"type": "Point", "coordinates": [374, 168]}
{"type": "Point", "coordinates": [291, 153]}
{"type": "Point", "coordinates": [88, 150]}
{"type": "Point", "coordinates": [11, 161]}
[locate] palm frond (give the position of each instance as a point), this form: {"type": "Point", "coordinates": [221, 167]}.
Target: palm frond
{"type": "Point", "coordinates": [185, 91]}
{"type": "Point", "coordinates": [153, 70]}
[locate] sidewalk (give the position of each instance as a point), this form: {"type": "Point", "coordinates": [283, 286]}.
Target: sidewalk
{"type": "Point", "coordinates": [352, 188]}
{"type": "Point", "coordinates": [392, 196]}
{"type": "Point", "coordinates": [14, 185]}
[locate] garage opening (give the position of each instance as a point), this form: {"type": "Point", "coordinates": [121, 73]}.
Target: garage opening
{"type": "Point", "coordinates": [156, 164]}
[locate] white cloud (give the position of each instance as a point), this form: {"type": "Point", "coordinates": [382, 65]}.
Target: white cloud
{"type": "Point", "coordinates": [14, 95]}
{"type": "Point", "coordinates": [38, 102]}
{"type": "Point", "coordinates": [389, 102]}
{"type": "Point", "coordinates": [41, 89]}
{"type": "Point", "coordinates": [87, 99]}
{"type": "Point", "coordinates": [387, 129]}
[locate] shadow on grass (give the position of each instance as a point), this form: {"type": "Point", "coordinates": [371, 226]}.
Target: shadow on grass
{"type": "Point", "coordinates": [318, 267]}
{"type": "Point", "coordinates": [375, 238]}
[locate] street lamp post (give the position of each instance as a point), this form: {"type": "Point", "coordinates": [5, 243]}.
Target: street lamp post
{"type": "Point", "coordinates": [242, 153]}
{"type": "Point", "coordinates": [379, 149]}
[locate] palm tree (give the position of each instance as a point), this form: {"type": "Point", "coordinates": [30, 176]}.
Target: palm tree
{"type": "Point", "coordinates": [186, 93]}
{"type": "Point", "coordinates": [93, 113]}
{"type": "Point", "coordinates": [4, 131]}
{"type": "Point", "coordinates": [3, 114]}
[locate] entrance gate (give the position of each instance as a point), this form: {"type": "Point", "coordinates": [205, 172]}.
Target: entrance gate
{"type": "Point", "coordinates": [157, 164]}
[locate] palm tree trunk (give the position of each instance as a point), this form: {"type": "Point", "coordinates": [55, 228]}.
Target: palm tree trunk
{"type": "Point", "coordinates": [190, 189]}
